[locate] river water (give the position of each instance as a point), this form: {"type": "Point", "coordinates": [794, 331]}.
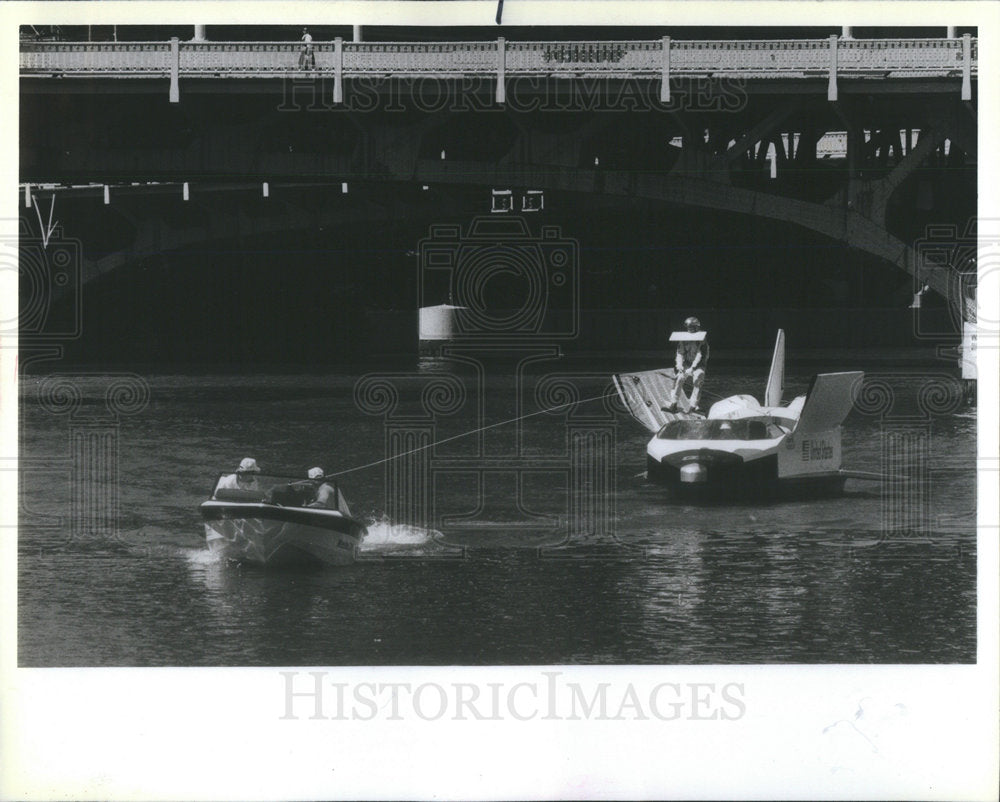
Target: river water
{"type": "Point", "coordinates": [499, 553]}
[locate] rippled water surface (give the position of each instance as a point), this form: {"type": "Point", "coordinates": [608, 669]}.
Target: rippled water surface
{"type": "Point", "coordinates": [491, 568]}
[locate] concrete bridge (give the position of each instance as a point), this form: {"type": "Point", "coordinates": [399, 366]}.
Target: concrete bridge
{"type": "Point", "coordinates": [731, 126]}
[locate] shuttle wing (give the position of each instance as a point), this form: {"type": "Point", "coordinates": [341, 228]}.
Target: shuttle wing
{"type": "Point", "coordinates": [646, 394]}
{"type": "Point", "coordinates": [828, 401]}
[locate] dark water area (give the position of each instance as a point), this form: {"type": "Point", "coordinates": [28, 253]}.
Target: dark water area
{"type": "Point", "coordinates": [492, 569]}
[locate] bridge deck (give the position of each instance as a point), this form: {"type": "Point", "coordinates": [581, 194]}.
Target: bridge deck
{"type": "Point", "coordinates": [881, 58]}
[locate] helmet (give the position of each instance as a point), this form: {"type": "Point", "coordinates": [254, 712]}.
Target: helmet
{"type": "Point", "coordinates": [692, 321]}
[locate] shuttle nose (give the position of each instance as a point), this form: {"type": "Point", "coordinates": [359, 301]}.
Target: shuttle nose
{"type": "Point", "coordinates": [694, 472]}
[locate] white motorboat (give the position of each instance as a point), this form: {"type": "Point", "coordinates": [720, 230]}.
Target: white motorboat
{"type": "Point", "coordinates": [743, 445]}
{"type": "Point", "coordinates": [279, 521]}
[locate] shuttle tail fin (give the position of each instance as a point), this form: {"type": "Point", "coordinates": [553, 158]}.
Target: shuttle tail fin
{"type": "Point", "coordinates": [776, 378]}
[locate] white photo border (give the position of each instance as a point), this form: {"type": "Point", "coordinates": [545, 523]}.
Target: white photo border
{"type": "Point", "coordinates": [134, 734]}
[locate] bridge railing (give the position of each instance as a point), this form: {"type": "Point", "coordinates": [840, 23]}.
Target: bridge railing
{"type": "Point", "coordinates": [759, 58]}
{"type": "Point", "coordinates": [607, 58]}
{"type": "Point", "coordinates": [911, 56]}
{"type": "Point", "coordinates": [445, 58]}
{"type": "Point", "coordinates": [91, 57]}
{"type": "Point", "coordinates": [237, 58]}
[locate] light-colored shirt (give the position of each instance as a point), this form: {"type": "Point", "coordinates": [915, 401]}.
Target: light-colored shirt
{"type": "Point", "coordinates": [690, 354]}
{"type": "Point", "coordinates": [232, 482]}
{"type": "Point", "coordinates": [328, 496]}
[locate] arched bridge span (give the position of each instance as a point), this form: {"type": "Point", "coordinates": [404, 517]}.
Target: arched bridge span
{"type": "Point", "coordinates": [745, 134]}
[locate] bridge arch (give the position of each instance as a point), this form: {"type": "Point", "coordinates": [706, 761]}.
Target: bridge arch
{"type": "Point", "coordinates": [838, 223]}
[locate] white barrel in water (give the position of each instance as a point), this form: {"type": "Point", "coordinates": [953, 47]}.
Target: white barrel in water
{"type": "Point", "coordinates": [968, 352]}
{"type": "Point", "coordinates": [438, 325]}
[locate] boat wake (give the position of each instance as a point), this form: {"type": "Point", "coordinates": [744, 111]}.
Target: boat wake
{"type": "Point", "coordinates": [385, 537]}
{"type": "Point", "coordinates": [202, 557]}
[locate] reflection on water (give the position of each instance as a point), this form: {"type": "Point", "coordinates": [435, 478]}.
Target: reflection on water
{"type": "Point", "coordinates": [831, 580]}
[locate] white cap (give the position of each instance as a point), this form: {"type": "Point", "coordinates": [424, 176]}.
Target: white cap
{"type": "Point", "coordinates": [315, 473]}
{"type": "Point", "coordinates": [248, 465]}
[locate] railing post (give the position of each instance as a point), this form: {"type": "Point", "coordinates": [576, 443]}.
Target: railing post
{"type": "Point", "coordinates": [338, 70]}
{"type": "Point", "coordinates": [665, 70]}
{"type": "Point", "coordinates": [175, 68]}
{"type": "Point", "coordinates": [831, 89]}
{"type": "Point", "coordinates": [966, 66]}
{"type": "Point", "coordinates": [501, 70]}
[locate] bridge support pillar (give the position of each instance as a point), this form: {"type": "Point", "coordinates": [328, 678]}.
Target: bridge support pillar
{"type": "Point", "coordinates": [199, 34]}
{"type": "Point", "coordinates": [357, 34]}
{"type": "Point", "coordinates": [966, 67]}
{"type": "Point", "coordinates": [665, 75]}
{"type": "Point", "coordinates": [831, 89]}
{"type": "Point", "coordinates": [175, 68]}
{"type": "Point", "coordinates": [338, 70]}
{"type": "Point", "coordinates": [501, 70]}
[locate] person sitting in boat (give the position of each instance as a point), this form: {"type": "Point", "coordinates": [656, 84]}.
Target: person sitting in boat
{"type": "Point", "coordinates": [327, 495]}
{"type": "Point", "coordinates": [245, 477]}
{"type": "Point", "coordinates": [298, 494]}
{"type": "Point", "coordinates": [690, 361]}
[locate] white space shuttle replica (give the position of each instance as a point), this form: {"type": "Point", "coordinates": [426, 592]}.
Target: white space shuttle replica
{"type": "Point", "coordinates": [742, 445]}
